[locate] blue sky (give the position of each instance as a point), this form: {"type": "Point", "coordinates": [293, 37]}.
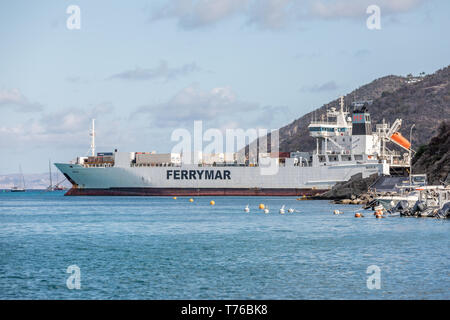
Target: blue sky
{"type": "Point", "coordinates": [144, 68]}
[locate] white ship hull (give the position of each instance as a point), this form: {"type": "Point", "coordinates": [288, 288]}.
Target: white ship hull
{"type": "Point", "coordinates": [345, 146]}
{"type": "Point", "coordinates": [209, 180]}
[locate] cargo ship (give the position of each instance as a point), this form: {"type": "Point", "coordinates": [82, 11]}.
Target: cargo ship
{"type": "Point", "coordinates": [346, 144]}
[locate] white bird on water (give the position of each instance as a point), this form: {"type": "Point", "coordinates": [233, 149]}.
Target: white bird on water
{"type": "Point", "coordinates": [247, 209]}
{"type": "Point", "coordinates": [290, 210]}
{"type": "Point", "coordinates": [266, 210]}
{"type": "Point", "coordinates": [282, 209]}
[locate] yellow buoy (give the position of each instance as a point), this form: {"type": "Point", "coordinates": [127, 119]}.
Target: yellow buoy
{"type": "Point", "coordinates": [261, 206]}
{"type": "Point", "coordinates": [174, 198]}
{"type": "Point", "coordinates": [212, 202]}
{"type": "Point", "coordinates": [191, 200]}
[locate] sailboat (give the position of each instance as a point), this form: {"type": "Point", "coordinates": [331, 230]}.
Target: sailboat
{"type": "Point", "coordinates": [57, 186]}
{"type": "Point", "coordinates": [17, 188]}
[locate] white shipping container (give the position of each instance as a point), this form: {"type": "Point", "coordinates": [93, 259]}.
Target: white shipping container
{"type": "Point", "coordinates": [229, 157]}
{"type": "Point", "coordinates": [156, 158]}
{"type": "Point", "coordinates": [210, 158]}
{"type": "Point", "coordinates": [191, 157]}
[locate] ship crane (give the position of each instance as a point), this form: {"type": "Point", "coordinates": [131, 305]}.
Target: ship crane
{"type": "Point", "coordinates": [394, 136]}
{"type": "Point", "coordinates": [394, 128]}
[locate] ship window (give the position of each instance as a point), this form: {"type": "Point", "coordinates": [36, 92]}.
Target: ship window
{"type": "Point", "coordinates": [358, 156]}
{"type": "Point", "coordinates": [321, 158]}
{"type": "Point", "coordinates": [333, 158]}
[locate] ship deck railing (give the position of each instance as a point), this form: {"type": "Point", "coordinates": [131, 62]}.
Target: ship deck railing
{"type": "Point", "coordinates": [207, 165]}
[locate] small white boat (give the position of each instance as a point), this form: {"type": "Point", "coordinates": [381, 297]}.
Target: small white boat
{"type": "Point", "coordinates": [390, 201]}
{"type": "Point", "coordinates": [17, 188]}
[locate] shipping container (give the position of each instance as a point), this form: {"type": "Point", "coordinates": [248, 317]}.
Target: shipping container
{"type": "Point", "coordinates": [280, 154]}
{"type": "Point", "coordinates": [211, 158]}
{"type": "Point", "coordinates": [147, 158]}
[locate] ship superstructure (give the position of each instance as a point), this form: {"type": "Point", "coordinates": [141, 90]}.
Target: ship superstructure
{"type": "Point", "coordinates": [345, 145]}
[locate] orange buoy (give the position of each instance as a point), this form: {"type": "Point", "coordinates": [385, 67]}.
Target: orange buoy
{"type": "Point", "coordinates": [191, 200]}
{"type": "Point", "coordinates": [398, 138]}
{"type": "Point", "coordinates": [212, 202]}
{"type": "Point", "coordinates": [357, 215]}
{"type": "Point", "coordinates": [261, 206]}
{"type": "Point", "coordinates": [174, 198]}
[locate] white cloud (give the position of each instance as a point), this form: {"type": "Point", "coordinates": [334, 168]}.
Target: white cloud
{"type": "Point", "coordinates": [192, 103]}
{"type": "Point", "coordinates": [218, 107]}
{"type": "Point", "coordinates": [198, 13]}
{"type": "Point", "coordinates": [160, 72]}
{"type": "Point", "coordinates": [327, 86]}
{"type": "Point", "coordinates": [69, 126]}
{"type": "Point", "coordinates": [271, 14]}
{"type": "Point", "coordinates": [357, 8]}
{"type": "Point", "coordinates": [14, 99]}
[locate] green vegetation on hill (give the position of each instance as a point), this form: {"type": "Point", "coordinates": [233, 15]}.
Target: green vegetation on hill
{"type": "Point", "coordinates": [434, 157]}
{"type": "Point", "coordinates": [425, 103]}
{"type": "Point", "coordinates": [295, 136]}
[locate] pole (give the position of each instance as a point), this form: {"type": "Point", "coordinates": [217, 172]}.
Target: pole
{"type": "Point", "coordinates": [50, 173]}
{"type": "Point", "coordinates": [23, 178]}
{"type": "Point", "coordinates": [410, 160]}
{"type": "Point", "coordinates": [93, 138]}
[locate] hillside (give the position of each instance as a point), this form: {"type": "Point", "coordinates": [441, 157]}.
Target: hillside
{"type": "Point", "coordinates": [295, 136]}
{"type": "Point", "coordinates": [425, 103]}
{"type": "Point", "coordinates": [32, 181]}
{"type": "Point", "coordinates": [434, 157]}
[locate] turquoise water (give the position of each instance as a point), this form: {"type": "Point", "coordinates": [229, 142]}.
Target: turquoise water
{"type": "Point", "coordinates": [161, 248]}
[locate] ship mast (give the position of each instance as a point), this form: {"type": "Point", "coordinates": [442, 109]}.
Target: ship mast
{"type": "Point", "coordinates": [50, 173]}
{"type": "Point", "coordinates": [23, 178]}
{"type": "Point", "coordinates": [92, 134]}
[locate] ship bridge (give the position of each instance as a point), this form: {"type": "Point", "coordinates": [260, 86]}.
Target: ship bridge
{"type": "Point", "coordinates": [320, 129]}
{"type": "Point", "coordinates": [334, 123]}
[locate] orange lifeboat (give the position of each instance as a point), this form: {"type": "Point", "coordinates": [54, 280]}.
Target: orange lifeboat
{"type": "Point", "coordinates": [397, 137]}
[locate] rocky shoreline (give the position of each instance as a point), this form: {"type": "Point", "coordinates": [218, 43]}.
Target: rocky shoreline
{"type": "Point", "coordinates": [354, 191]}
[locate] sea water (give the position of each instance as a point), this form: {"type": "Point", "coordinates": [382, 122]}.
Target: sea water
{"type": "Point", "coordinates": [165, 248]}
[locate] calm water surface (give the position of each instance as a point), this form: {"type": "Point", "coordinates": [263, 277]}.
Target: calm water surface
{"type": "Point", "coordinates": [161, 248]}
